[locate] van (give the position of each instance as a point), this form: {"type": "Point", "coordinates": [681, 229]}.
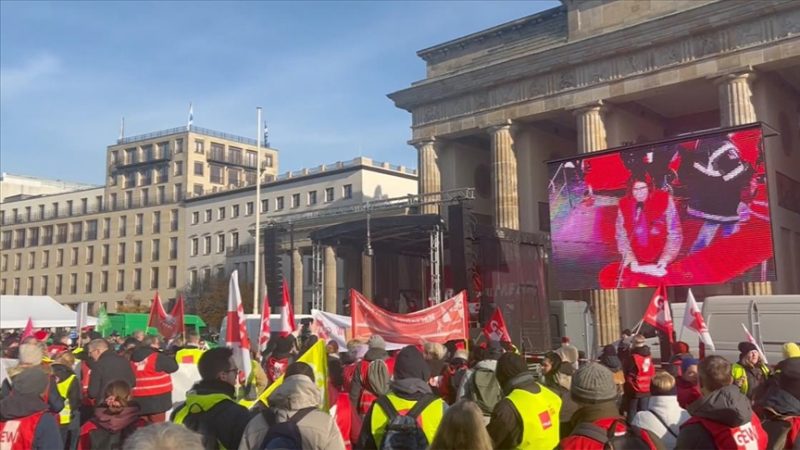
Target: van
{"type": "Point", "coordinates": [253, 322]}
{"type": "Point", "coordinates": [772, 319]}
{"type": "Point", "coordinates": [572, 318]}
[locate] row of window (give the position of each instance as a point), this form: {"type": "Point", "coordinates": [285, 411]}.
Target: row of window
{"type": "Point", "coordinates": [144, 177]}
{"type": "Point", "coordinates": [145, 153]}
{"type": "Point", "coordinates": [40, 212]}
{"type": "Point", "coordinates": [218, 244]}
{"type": "Point", "coordinates": [146, 197]}
{"type": "Point", "coordinates": [13, 286]}
{"type": "Point", "coordinates": [85, 230]}
{"type": "Point", "coordinates": [245, 270]}
{"type": "Point", "coordinates": [14, 262]}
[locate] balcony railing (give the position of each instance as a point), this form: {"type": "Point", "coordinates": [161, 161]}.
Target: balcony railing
{"type": "Point", "coordinates": [246, 249]}
{"type": "Point", "coordinates": [215, 155]}
{"type": "Point", "coordinates": [193, 129]}
{"type": "Point", "coordinates": [155, 157]}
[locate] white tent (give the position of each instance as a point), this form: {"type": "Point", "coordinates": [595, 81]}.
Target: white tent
{"type": "Point", "coordinates": [45, 312]}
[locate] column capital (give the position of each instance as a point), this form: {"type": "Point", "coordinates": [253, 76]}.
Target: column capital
{"type": "Point", "coordinates": [596, 105]}
{"type": "Point", "coordinates": [422, 142]}
{"type": "Point", "coordinates": [746, 73]}
{"type": "Point", "coordinates": [504, 125]}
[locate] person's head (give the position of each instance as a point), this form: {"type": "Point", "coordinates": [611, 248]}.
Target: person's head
{"type": "Point", "coordinates": [65, 359]}
{"type": "Point", "coordinates": [376, 342]}
{"type": "Point", "coordinates": [192, 337]}
{"type": "Point", "coordinates": [626, 333]}
{"type": "Point", "coordinates": [434, 351]}
{"type": "Point", "coordinates": [638, 341]}
{"type": "Point", "coordinates": [163, 436]}
{"type": "Point", "coordinates": [411, 364]}
{"type": "Point", "coordinates": [300, 368]}
{"type": "Point", "coordinates": [789, 377]}
{"type": "Point", "coordinates": [565, 340]}
{"type": "Point", "coordinates": [791, 350]}
{"type": "Point", "coordinates": [117, 396]}
{"type": "Point", "coordinates": [332, 347]}
{"type": "Point", "coordinates": [32, 381]}
{"type": "Point", "coordinates": [509, 366]}
{"type": "Point", "coordinates": [138, 335]}
{"type": "Point", "coordinates": [689, 370]}
{"type": "Point", "coordinates": [217, 364]}
{"type": "Point", "coordinates": [714, 373]}
{"type": "Point", "coordinates": [640, 190]}
{"type": "Point", "coordinates": [662, 384]}
{"type": "Point", "coordinates": [96, 348]}
{"type": "Point", "coordinates": [153, 341]}
{"type": "Point", "coordinates": [62, 338]}
{"type": "Point", "coordinates": [748, 353]}
{"type": "Point", "coordinates": [550, 363]}
{"type": "Point", "coordinates": [593, 383]}
{"type": "Point", "coordinates": [462, 427]}
{"type": "Point", "coordinates": [30, 354]}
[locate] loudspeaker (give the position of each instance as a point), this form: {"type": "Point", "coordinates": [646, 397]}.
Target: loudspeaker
{"type": "Point", "coordinates": [461, 228]}
{"type": "Point", "coordinates": [273, 266]}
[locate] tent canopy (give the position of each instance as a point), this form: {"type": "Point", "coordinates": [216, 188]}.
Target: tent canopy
{"type": "Point", "coordinates": [45, 312]}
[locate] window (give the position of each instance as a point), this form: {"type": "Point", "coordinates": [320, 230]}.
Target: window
{"type": "Point", "coordinates": [269, 160]}
{"type": "Point", "coordinates": [251, 159]}
{"type": "Point", "coordinates": [70, 211]}
{"type": "Point", "coordinates": [73, 283]}
{"type": "Point", "coordinates": [145, 177]}
{"type": "Point", "coordinates": [33, 237]}
{"type": "Point", "coordinates": [31, 260]}
{"type": "Point", "coordinates": [195, 217]}
{"type": "Point", "coordinates": [347, 191]}
{"type": "Point", "coordinates": [178, 168]}
{"type": "Point", "coordinates": [104, 251]}
{"type": "Point", "coordinates": [163, 150]}
{"type": "Point", "coordinates": [312, 198]}
{"type": "Point", "coordinates": [121, 253]}
{"type": "Point", "coordinates": [90, 254]}
{"type": "Point", "coordinates": [198, 168]}
{"type": "Point", "coordinates": [248, 209]}
{"type": "Point", "coordinates": [207, 215]}
{"type": "Point", "coordinates": [145, 197]}
{"type": "Point", "coordinates": [234, 176]}
{"type": "Point", "coordinates": [98, 201]}
{"type": "Point", "coordinates": [156, 221]}
{"type": "Point", "coordinates": [43, 284]}
{"type": "Point", "coordinates": [193, 248]}
{"type": "Point", "coordinates": [120, 280]}
{"type": "Point", "coordinates": [328, 194]}
{"type": "Point", "coordinates": [20, 241]}
{"type": "Point", "coordinates": [173, 220]}
{"type": "Point", "coordinates": [129, 199]}
{"type": "Point", "coordinates": [155, 251]}
{"type": "Point", "coordinates": [178, 192]}
{"type": "Point", "coordinates": [59, 257]}
{"type": "Point", "coordinates": [91, 230]}
{"type": "Point", "coordinates": [220, 243]}
{"type": "Point", "coordinates": [235, 239]}
{"type": "Point", "coordinates": [193, 277]}
{"type": "Point", "coordinates": [87, 283]}
{"type": "Point", "coordinates": [16, 286]}
{"type": "Point", "coordinates": [279, 203]}
{"type": "Point", "coordinates": [173, 248]}
{"type": "Point", "coordinates": [216, 173]}
{"type": "Point", "coordinates": [178, 145]}
{"type": "Point", "coordinates": [161, 195]}
{"type": "Point", "coordinates": [217, 152]}
{"type": "Point", "coordinates": [77, 232]}
{"type": "Point", "coordinates": [4, 264]}
{"type": "Point", "coordinates": [264, 205]}
{"type": "Point", "coordinates": [59, 284]}
{"type": "Point", "coordinates": [48, 235]}
{"type": "Point", "coordinates": [235, 155]}
{"type": "Point", "coordinates": [6, 240]}
{"type": "Point", "coordinates": [154, 278]}
{"type": "Point", "coordinates": [104, 281]}
{"type": "Point", "coordinates": [113, 201]}
{"type": "Point", "coordinates": [295, 200]}
{"type": "Point", "coordinates": [147, 153]}
{"type": "Point", "coordinates": [74, 256]}
{"type": "Point", "coordinates": [17, 261]}
{"type": "Point", "coordinates": [138, 224]}
{"type": "Point", "coordinates": [3, 287]}
{"type": "Point", "coordinates": [234, 211]}
{"type": "Point", "coordinates": [84, 206]}
{"type": "Point", "coordinates": [220, 271]}
{"type": "Point", "coordinates": [206, 245]}
{"type": "Point", "coordinates": [220, 213]}
{"type": "Point", "coordinates": [123, 226]}
{"type": "Point", "coordinates": [106, 227]}
{"type": "Point", "coordinates": [171, 276]}
{"type": "Point", "coordinates": [198, 146]}
{"type": "Point", "coordinates": [137, 251]}
{"type": "Point", "coordinates": [137, 279]}
{"type": "Point", "coordinates": [198, 189]}
{"type": "Point", "coordinates": [206, 274]}
{"type": "Point", "coordinates": [55, 209]}
{"type": "Point", "coordinates": [30, 286]}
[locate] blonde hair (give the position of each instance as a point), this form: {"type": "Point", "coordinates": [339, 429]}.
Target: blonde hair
{"type": "Point", "coordinates": [662, 383]}
{"type": "Point", "coordinates": [462, 427]}
{"type": "Point", "coordinates": [434, 350]}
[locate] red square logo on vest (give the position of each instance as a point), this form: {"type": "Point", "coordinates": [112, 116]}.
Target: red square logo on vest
{"type": "Point", "coordinates": [544, 418]}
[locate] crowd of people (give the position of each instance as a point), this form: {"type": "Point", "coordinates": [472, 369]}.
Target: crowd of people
{"type": "Point", "coordinates": [115, 393]}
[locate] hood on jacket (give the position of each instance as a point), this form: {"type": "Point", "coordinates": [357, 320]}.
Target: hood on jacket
{"type": "Point", "coordinates": [490, 364]}
{"type": "Point", "coordinates": [15, 406]}
{"type": "Point", "coordinates": [296, 392]}
{"type": "Point", "coordinates": [61, 371]}
{"type": "Point", "coordinates": [644, 351]}
{"type": "Point", "coordinates": [727, 406]}
{"type": "Point", "coordinates": [782, 402]}
{"type": "Point", "coordinates": [114, 423]}
{"type": "Point", "coordinates": [141, 352]}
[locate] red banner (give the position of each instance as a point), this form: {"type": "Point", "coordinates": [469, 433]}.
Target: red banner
{"type": "Point", "coordinates": [440, 323]}
{"type": "Point", "coordinates": [658, 313]}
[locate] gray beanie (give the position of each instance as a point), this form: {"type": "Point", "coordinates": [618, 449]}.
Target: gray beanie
{"type": "Point", "coordinates": [376, 342]}
{"type": "Point", "coordinates": [593, 383]}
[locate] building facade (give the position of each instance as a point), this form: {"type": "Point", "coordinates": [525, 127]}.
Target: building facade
{"type": "Point", "coordinates": [591, 75]}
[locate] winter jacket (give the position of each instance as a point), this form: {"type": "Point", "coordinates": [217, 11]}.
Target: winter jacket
{"type": "Point", "coordinates": [465, 389]}
{"type": "Point", "coordinates": [164, 363]}
{"type": "Point", "coordinates": [54, 400]}
{"type": "Point", "coordinates": [61, 373]}
{"type": "Point", "coordinates": [505, 426]}
{"type": "Point", "coordinates": [688, 392]}
{"type": "Point", "coordinates": [781, 419]}
{"type": "Point", "coordinates": [318, 430]}
{"type": "Point", "coordinates": [637, 380]}
{"type": "Point", "coordinates": [591, 413]}
{"type": "Point", "coordinates": [107, 368]}
{"type": "Point", "coordinates": [726, 406]}
{"type": "Point", "coordinates": [109, 431]}
{"type": "Point", "coordinates": [667, 409]}
{"type": "Point", "coordinates": [15, 406]}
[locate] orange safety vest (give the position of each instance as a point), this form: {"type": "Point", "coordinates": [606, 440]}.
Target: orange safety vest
{"type": "Point", "coordinates": [18, 434]}
{"type": "Point", "coordinates": [149, 381]}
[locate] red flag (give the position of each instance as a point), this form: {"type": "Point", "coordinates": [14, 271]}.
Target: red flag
{"type": "Point", "coordinates": [495, 329]}
{"type": "Point", "coordinates": [288, 325]}
{"type": "Point", "coordinates": [236, 332]}
{"type": "Point", "coordinates": [178, 315]}
{"type": "Point", "coordinates": [264, 337]}
{"type": "Point", "coordinates": [28, 332]}
{"type": "Point", "coordinates": [658, 313]}
{"type": "Point", "coordinates": [168, 325]}
{"type": "Point", "coordinates": [693, 320]}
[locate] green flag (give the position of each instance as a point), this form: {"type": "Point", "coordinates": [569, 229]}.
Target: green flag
{"type": "Point", "coordinates": [103, 322]}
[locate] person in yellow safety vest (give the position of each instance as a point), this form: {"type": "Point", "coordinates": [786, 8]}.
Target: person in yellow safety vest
{"type": "Point", "coordinates": [210, 407]}
{"type": "Point", "coordinates": [256, 380]}
{"type": "Point", "coordinates": [527, 418]}
{"type": "Point", "coordinates": [191, 352]}
{"type": "Point", "coordinates": [69, 388]}
{"type": "Point", "coordinates": [749, 372]}
{"type": "Point", "coordinates": [409, 393]}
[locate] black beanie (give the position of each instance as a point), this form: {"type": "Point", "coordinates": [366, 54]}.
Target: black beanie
{"type": "Point", "coordinates": [745, 348]}
{"type": "Point", "coordinates": [508, 366]}
{"type": "Point", "coordinates": [411, 364]}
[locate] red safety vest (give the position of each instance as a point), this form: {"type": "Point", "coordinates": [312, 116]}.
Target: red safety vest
{"type": "Point", "coordinates": [750, 436]}
{"type": "Point", "coordinates": [576, 440]}
{"type": "Point", "coordinates": [645, 370]}
{"type": "Point", "coordinates": [343, 418]}
{"type": "Point", "coordinates": [18, 434]}
{"type": "Point", "coordinates": [149, 381]}
{"type": "Point", "coordinates": [793, 438]}
{"type": "Point", "coordinates": [647, 234]}
{"type": "Point", "coordinates": [367, 397]}
{"type": "Point", "coordinates": [86, 374]}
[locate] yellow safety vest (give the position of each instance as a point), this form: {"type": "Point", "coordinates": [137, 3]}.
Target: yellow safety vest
{"type": "Point", "coordinates": [188, 355]}
{"type": "Point", "coordinates": [196, 404]}
{"type": "Point", "coordinates": [539, 412]}
{"type": "Point", "coordinates": [738, 372]}
{"type": "Point", "coordinates": [430, 418]}
{"type": "Point", "coordinates": [65, 416]}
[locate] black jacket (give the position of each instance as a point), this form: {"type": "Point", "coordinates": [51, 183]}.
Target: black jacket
{"type": "Point", "coordinates": [62, 372]}
{"type": "Point", "coordinates": [54, 400]}
{"type": "Point", "coordinates": [777, 406]}
{"type": "Point", "coordinates": [727, 406]}
{"type": "Point", "coordinates": [46, 435]}
{"type": "Point", "coordinates": [505, 426]}
{"type": "Point", "coordinates": [107, 368]}
{"type": "Point", "coordinates": [224, 422]}
{"type": "Point", "coordinates": [109, 431]}
{"type": "Point", "coordinates": [164, 363]}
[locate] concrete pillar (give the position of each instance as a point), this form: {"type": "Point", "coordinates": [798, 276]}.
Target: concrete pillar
{"type": "Point", "coordinates": [737, 108]}
{"type": "Point", "coordinates": [329, 271]}
{"type": "Point", "coordinates": [366, 275]}
{"type": "Point", "coordinates": [504, 177]}
{"type": "Point", "coordinates": [297, 281]}
{"type": "Point", "coordinates": [429, 175]}
{"type": "Point", "coordinates": [604, 302]}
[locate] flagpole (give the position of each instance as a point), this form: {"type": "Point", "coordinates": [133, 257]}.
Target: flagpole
{"type": "Point", "coordinates": [256, 269]}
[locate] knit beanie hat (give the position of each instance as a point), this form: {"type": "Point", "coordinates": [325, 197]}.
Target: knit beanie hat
{"type": "Point", "coordinates": [638, 341]}
{"type": "Point", "coordinates": [509, 365]}
{"type": "Point", "coordinates": [377, 342]}
{"type": "Point", "coordinates": [688, 362]}
{"type": "Point", "coordinates": [30, 381]}
{"type": "Point", "coordinates": [593, 383]}
{"type": "Point", "coordinates": [611, 361]}
{"type": "Point", "coordinates": [745, 348]}
{"type": "Point", "coordinates": [791, 350]}
{"type": "Point", "coordinates": [411, 364]}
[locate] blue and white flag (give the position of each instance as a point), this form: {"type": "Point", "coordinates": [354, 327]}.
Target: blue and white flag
{"type": "Point", "coordinates": [191, 117]}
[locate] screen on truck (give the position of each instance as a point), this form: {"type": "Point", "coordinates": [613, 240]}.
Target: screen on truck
{"type": "Point", "coordinates": [680, 212]}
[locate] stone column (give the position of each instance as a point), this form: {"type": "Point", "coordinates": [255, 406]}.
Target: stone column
{"type": "Point", "coordinates": [297, 281]}
{"type": "Point", "coordinates": [329, 277]}
{"type": "Point", "coordinates": [736, 108]}
{"type": "Point", "coordinates": [366, 275]}
{"type": "Point", "coordinates": [504, 177]}
{"type": "Point", "coordinates": [604, 302]}
{"type": "Point", "coordinates": [429, 175]}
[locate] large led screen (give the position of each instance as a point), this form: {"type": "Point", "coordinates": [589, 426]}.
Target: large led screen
{"type": "Point", "coordinates": [680, 212]}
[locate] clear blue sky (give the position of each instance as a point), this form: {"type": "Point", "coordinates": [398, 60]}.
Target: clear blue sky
{"type": "Point", "coordinates": [320, 70]}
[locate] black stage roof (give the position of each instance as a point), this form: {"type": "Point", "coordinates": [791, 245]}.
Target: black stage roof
{"type": "Point", "coordinates": [408, 235]}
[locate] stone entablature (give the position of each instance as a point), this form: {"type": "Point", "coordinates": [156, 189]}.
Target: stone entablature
{"type": "Point", "coordinates": [712, 31]}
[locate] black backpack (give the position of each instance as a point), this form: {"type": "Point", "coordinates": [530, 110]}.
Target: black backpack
{"type": "Point", "coordinates": [283, 435]}
{"type": "Point", "coordinates": [633, 439]}
{"type": "Point", "coordinates": [403, 432]}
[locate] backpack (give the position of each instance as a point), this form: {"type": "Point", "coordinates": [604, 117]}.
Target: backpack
{"type": "Point", "coordinates": [284, 435]}
{"type": "Point", "coordinates": [403, 431]}
{"type": "Point", "coordinates": [633, 439]}
{"type": "Point", "coordinates": [486, 391]}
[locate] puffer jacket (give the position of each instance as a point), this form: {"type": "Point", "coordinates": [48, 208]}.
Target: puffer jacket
{"type": "Point", "coordinates": [665, 407]}
{"type": "Point", "coordinates": [318, 430]}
